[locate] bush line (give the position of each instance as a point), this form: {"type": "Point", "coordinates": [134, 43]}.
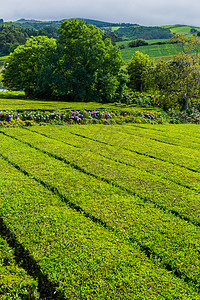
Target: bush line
{"type": "Point", "coordinates": [14, 281]}
{"type": "Point", "coordinates": [166, 170]}
{"type": "Point", "coordinates": [161, 192]}
{"type": "Point", "coordinates": [92, 264]}
{"type": "Point", "coordinates": [149, 226]}
{"type": "Point", "coordinates": [176, 155]}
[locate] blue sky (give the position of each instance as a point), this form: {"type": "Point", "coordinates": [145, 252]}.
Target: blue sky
{"type": "Point", "coordinates": [143, 12]}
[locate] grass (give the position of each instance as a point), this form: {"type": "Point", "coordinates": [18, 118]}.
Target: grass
{"type": "Point", "coordinates": [17, 101]}
{"type": "Point", "coordinates": [181, 29]}
{"type": "Point", "coordinates": [154, 51]}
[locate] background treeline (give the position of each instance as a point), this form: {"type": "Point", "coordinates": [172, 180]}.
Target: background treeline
{"type": "Point", "coordinates": [16, 33]}
{"type": "Point", "coordinates": [143, 32]}
{"type": "Point", "coordinates": [11, 37]}
{"type": "Point", "coordinates": [83, 65]}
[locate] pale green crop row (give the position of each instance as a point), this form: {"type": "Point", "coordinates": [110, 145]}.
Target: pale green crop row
{"type": "Point", "coordinates": [188, 132]}
{"type": "Point", "coordinates": [171, 241]}
{"type": "Point", "coordinates": [183, 139]}
{"type": "Point", "coordinates": [188, 158]}
{"type": "Point", "coordinates": [150, 187]}
{"type": "Point", "coordinates": [164, 169]}
{"type": "Point", "coordinates": [81, 258]}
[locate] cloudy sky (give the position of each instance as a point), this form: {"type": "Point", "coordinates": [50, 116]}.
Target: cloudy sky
{"type": "Point", "coordinates": [143, 12]}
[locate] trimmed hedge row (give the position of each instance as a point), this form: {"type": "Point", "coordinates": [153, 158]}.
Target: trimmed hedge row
{"type": "Point", "coordinates": [14, 281]}
{"type": "Point", "coordinates": [83, 259]}
{"type": "Point", "coordinates": [150, 187]}
{"type": "Point", "coordinates": [188, 158]}
{"type": "Point", "coordinates": [166, 170]}
{"type": "Point", "coordinates": [189, 132]}
{"type": "Point", "coordinates": [172, 242]}
{"type": "Point", "coordinates": [169, 137]}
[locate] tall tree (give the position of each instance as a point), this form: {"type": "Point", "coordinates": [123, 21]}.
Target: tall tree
{"type": "Point", "coordinates": [89, 65]}
{"type": "Point", "coordinates": [25, 64]}
{"type": "Point", "coordinates": [178, 80]}
{"type": "Point", "coordinates": [137, 70]}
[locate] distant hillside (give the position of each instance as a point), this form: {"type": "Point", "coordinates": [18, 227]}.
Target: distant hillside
{"type": "Point", "coordinates": [35, 24]}
{"type": "Point", "coordinates": [120, 31]}
{"type": "Point", "coordinates": [143, 32]}
{"type": "Point", "coordinates": [185, 29]}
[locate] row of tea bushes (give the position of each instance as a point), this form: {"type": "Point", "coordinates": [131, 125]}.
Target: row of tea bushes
{"type": "Point", "coordinates": [170, 241]}
{"type": "Point", "coordinates": [14, 281]}
{"type": "Point", "coordinates": [188, 158]}
{"type": "Point", "coordinates": [158, 133]}
{"type": "Point", "coordinates": [80, 258]}
{"type": "Point", "coordinates": [171, 172]}
{"type": "Point", "coordinates": [166, 194]}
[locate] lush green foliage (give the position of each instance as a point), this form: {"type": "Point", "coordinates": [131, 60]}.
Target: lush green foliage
{"type": "Point", "coordinates": [10, 36]}
{"type": "Point", "coordinates": [89, 66]}
{"type": "Point", "coordinates": [178, 80]}
{"type": "Point", "coordinates": [3, 59]}
{"type": "Point", "coordinates": [137, 192]}
{"type": "Point", "coordinates": [137, 43]}
{"type": "Point", "coordinates": [14, 281]}
{"type": "Point", "coordinates": [84, 66]}
{"type": "Point", "coordinates": [26, 63]}
{"type": "Point", "coordinates": [143, 32]}
{"type": "Point", "coordinates": [138, 70]}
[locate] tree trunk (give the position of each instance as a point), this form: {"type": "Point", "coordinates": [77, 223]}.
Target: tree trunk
{"type": "Point", "coordinates": [186, 103]}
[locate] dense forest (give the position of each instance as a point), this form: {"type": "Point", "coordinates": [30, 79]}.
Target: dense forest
{"type": "Point", "coordinates": [11, 37]}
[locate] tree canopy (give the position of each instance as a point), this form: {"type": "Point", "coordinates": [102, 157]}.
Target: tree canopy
{"type": "Point", "coordinates": [137, 70]}
{"type": "Point", "coordinates": [82, 65]}
{"type": "Point", "coordinates": [179, 79]}
{"type": "Point", "coordinates": [25, 64]}
{"type": "Point", "coordinates": [89, 65]}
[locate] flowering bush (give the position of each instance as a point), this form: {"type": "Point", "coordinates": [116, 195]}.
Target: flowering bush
{"type": "Point", "coordinates": [11, 118]}
{"type": "Point", "coordinates": [76, 117]}
{"type": "Point", "coordinates": [187, 116]}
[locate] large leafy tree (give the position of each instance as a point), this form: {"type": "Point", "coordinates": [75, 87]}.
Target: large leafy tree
{"type": "Point", "coordinates": [138, 69]}
{"type": "Point", "coordinates": [178, 80]}
{"type": "Point", "coordinates": [25, 64]}
{"type": "Point", "coordinates": [87, 66]}
{"type": "Point", "coordinates": [82, 65]}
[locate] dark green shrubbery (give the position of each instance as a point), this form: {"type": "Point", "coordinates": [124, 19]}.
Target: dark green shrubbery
{"type": "Point", "coordinates": [137, 43]}
{"type": "Point", "coordinates": [82, 65]}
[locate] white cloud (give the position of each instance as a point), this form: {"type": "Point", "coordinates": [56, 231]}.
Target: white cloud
{"type": "Point", "coordinates": [144, 12]}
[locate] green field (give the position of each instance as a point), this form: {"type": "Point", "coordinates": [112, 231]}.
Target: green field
{"type": "Point", "coordinates": [16, 101]}
{"type": "Point", "coordinates": [185, 29]}
{"type": "Point", "coordinates": [154, 51]}
{"type": "Point", "coordinates": [100, 212]}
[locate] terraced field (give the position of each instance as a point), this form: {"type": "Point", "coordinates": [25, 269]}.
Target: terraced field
{"type": "Point", "coordinates": [101, 212]}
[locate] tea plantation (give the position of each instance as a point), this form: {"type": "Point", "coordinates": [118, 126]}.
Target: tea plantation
{"type": "Point", "coordinates": [100, 212]}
